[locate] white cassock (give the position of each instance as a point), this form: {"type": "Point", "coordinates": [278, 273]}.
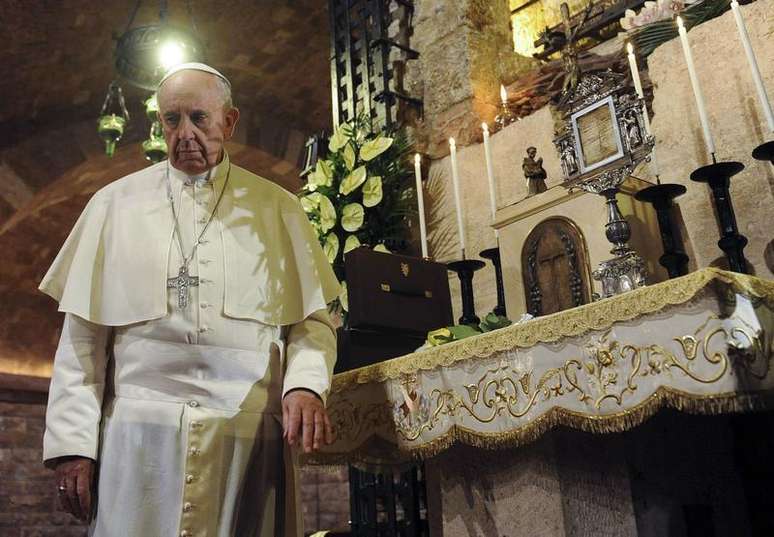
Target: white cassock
{"type": "Point", "coordinates": [181, 407]}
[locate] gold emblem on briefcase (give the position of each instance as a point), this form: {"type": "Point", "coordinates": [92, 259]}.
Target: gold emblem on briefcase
{"type": "Point", "coordinates": [404, 268]}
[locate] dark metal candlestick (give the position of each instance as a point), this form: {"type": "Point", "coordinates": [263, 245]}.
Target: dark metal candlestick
{"type": "Point", "coordinates": [765, 151]}
{"type": "Point", "coordinates": [661, 197]}
{"type": "Point", "coordinates": [465, 270]}
{"type": "Point", "coordinates": [493, 254]}
{"type": "Point", "coordinates": [718, 177]}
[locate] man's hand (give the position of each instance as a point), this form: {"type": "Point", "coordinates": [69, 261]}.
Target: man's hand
{"type": "Point", "coordinates": [74, 477]}
{"type": "Point", "coordinates": [304, 419]}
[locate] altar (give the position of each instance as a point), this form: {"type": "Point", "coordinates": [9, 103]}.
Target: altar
{"type": "Point", "coordinates": [512, 425]}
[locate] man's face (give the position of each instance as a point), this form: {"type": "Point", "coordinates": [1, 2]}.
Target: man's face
{"type": "Point", "coordinates": [531, 152]}
{"type": "Point", "coordinates": [196, 123]}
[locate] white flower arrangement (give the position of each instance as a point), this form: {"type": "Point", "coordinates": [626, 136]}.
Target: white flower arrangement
{"type": "Point", "coordinates": [653, 12]}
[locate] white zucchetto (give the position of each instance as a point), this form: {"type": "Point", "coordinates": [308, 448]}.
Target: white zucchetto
{"type": "Point", "coordinates": [194, 66]}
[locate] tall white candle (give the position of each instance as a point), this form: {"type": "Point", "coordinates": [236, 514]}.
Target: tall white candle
{"type": "Point", "coordinates": [638, 84]}
{"type": "Point", "coordinates": [457, 198]}
{"type": "Point", "coordinates": [503, 94]}
{"type": "Point", "coordinates": [641, 94]}
{"type": "Point", "coordinates": [421, 203]}
{"type": "Point", "coordinates": [490, 176]}
{"type": "Point", "coordinates": [756, 74]}
{"type": "Point", "coordinates": [696, 88]}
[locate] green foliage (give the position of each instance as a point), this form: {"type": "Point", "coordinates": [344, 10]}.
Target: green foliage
{"type": "Point", "coordinates": [455, 333]}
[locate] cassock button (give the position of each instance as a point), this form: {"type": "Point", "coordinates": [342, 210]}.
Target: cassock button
{"type": "Point", "coordinates": [190, 478]}
{"type": "Point", "coordinates": [185, 533]}
{"type": "Point", "coordinates": [193, 404]}
{"type": "Point", "coordinates": [196, 424]}
{"type": "Point", "coordinates": [187, 506]}
{"type": "Point", "coordinates": [194, 451]}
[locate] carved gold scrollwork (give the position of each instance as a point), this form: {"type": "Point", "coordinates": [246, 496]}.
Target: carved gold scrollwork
{"type": "Point", "coordinates": [608, 374]}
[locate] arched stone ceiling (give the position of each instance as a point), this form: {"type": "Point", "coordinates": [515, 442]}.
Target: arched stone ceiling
{"type": "Point", "coordinates": [57, 58]}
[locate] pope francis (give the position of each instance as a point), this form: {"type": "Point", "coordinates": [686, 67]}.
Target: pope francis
{"type": "Point", "coordinates": [196, 349]}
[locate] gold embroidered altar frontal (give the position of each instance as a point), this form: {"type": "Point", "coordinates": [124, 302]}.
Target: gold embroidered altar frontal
{"type": "Point", "coordinates": [701, 343]}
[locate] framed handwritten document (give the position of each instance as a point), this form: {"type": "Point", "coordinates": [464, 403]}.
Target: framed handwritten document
{"type": "Point", "coordinates": [597, 136]}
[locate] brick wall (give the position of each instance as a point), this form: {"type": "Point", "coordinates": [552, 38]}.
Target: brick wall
{"type": "Point", "coordinates": [325, 498]}
{"type": "Point", "coordinates": [28, 499]}
{"type": "Point", "coordinates": [28, 503]}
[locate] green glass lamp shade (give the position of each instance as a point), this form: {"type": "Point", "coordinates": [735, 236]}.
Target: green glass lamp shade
{"type": "Point", "coordinates": [110, 129]}
{"type": "Point", "coordinates": [152, 108]}
{"type": "Point", "coordinates": [155, 149]}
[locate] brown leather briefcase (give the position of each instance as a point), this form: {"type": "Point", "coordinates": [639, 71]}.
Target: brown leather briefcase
{"type": "Point", "coordinates": [396, 292]}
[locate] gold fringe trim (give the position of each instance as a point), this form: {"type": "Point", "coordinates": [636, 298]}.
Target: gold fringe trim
{"type": "Point", "coordinates": [664, 397]}
{"type": "Point", "coordinates": [574, 322]}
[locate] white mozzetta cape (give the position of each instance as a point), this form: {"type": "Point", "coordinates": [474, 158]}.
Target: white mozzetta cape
{"type": "Point", "coordinates": [112, 270]}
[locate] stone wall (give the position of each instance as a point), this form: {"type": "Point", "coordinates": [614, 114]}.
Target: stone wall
{"type": "Point", "coordinates": [465, 52]}
{"type": "Point", "coordinates": [736, 121]}
{"type": "Point", "coordinates": [28, 502]}
{"type": "Point", "coordinates": [735, 115]}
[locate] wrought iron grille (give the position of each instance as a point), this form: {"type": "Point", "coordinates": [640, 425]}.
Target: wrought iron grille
{"type": "Point", "coordinates": [362, 73]}
{"type": "Point", "coordinates": [388, 504]}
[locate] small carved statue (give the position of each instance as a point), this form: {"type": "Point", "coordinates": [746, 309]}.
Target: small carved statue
{"type": "Point", "coordinates": [534, 172]}
{"type": "Point", "coordinates": [569, 162]}
{"type": "Point", "coordinates": [633, 133]}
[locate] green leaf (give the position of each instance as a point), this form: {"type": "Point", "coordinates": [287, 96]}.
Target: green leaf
{"type": "Point", "coordinates": [331, 247]}
{"type": "Point", "coordinates": [349, 156]}
{"type": "Point", "coordinates": [381, 248]}
{"type": "Point", "coordinates": [439, 337]}
{"type": "Point", "coordinates": [374, 148]}
{"type": "Point", "coordinates": [352, 216]}
{"type": "Point", "coordinates": [339, 138]}
{"type": "Point", "coordinates": [372, 191]}
{"type": "Point", "coordinates": [327, 214]}
{"type": "Point", "coordinates": [353, 180]}
{"type": "Point", "coordinates": [462, 331]}
{"type": "Point", "coordinates": [493, 321]}
{"type": "Point", "coordinates": [351, 243]}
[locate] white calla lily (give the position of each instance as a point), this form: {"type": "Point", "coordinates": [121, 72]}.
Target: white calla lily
{"type": "Point", "coordinates": [352, 216]}
{"type": "Point", "coordinates": [310, 202]}
{"type": "Point", "coordinates": [331, 247]}
{"type": "Point", "coordinates": [327, 214]}
{"type": "Point", "coordinates": [349, 156]}
{"type": "Point", "coordinates": [353, 180]}
{"type": "Point", "coordinates": [344, 296]}
{"type": "Point", "coordinates": [351, 243]}
{"type": "Point", "coordinates": [339, 138]}
{"type": "Point", "coordinates": [372, 191]}
{"type": "Point", "coordinates": [374, 148]}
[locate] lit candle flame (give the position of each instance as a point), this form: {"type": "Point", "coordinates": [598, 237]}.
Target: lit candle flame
{"type": "Point", "coordinates": [629, 48]}
{"type": "Point", "coordinates": [451, 142]}
{"type": "Point", "coordinates": [485, 127]}
{"type": "Point", "coordinates": [680, 22]}
{"type": "Point", "coordinates": [417, 158]}
{"type": "Point", "coordinates": [503, 94]}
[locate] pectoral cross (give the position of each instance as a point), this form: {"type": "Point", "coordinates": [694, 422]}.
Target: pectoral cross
{"type": "Point", "coordinates": [182, 282]}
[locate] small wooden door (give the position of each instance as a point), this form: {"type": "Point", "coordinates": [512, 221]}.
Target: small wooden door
{"type": "Point", "coordinates": [555, 267]}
